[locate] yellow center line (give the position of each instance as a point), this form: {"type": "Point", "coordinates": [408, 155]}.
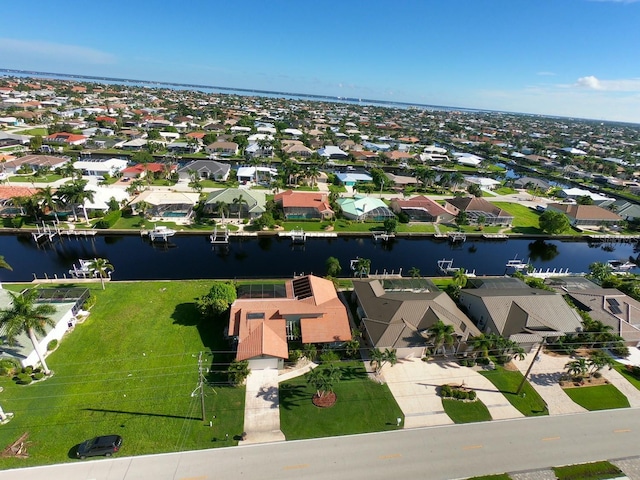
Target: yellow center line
{"type": "Point", "coordinates": [548, 439]}
{"type": "Point", "coordinates": [387, 457]}
{"type": "Point", "coordinates": [296, 467]}
{"type": "Point", "coordinates": [471, 447]}
{"type": "Point", "coordinates": [622, 430]}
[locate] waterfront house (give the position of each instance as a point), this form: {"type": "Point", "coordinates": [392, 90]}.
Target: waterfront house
{"type": "Point", "coordinates": [400, 182]}
{"type": "Point", "coordinates": [9, 207]}
{"type": "Point", "coordinates": [205, 169]}
{"type": "Point", "coordinates": [308, 311]}
{"type": "Point", "coordinates": [141, 170]}
{"type": "Point", "coordinates": [363, 208]}
{"type": "Point", "coordinates": [577, 193]}
{"type": "Point", "coordinates": [99, 168]}
{"type": "Point", "coordinates": [532, 183]}
{"type": "Point", "coordinates": [67, 302]}
{"type": "Point", "coordinates": [166, 204]}
{"type": "Point", "coordinates": [350, 179]}
{"type": "Point", "coordinates": [66, 138]}
{"type": "Point", "coordinates": [240, 203]}
{"type": "Point", "coordinates": [224, 149]}
{"type": "Point", "coordinates": [257, 175]}
{"type": "Point", "coordinates": [586, 215]}
{"type": "Point", "coordinates": [421, 209]}
{"type": "Point", "coordinates": [512, 309]}
{"type": "Point", "coordinates": [134, 145]}
{"type": "Point", "coordinates": [477, 208]}
{"type": "Point", "coordinates": [332, 152]}
{"type": "Point", "coordinates": [34, 162]}
{"type": "Point", "coordinates": [304, 205]}
{"type": "Point", "coordinates": [397, 317]}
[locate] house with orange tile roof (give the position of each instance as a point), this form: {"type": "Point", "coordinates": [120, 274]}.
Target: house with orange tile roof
{"type": "Point", "coordinates": [10, 192]}
{"type": "Point", "coordinates": [421, 209]}
{"type": "Point", "coordinates": [141, 170]}
{"type": "Point", "coordinates": [298, 205]}
{"type": "Point", "coordinates": [309, 311]}
{"type": "Point", "coordinates": [67, 138]}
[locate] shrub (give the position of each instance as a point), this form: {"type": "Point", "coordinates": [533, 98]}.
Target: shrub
{"type": "Point", "coordinates": [109, 220]}
{"type": "Point", "coordinates": [9, 367]}
{"type": "Point", "coordinates": [38, 376]}
{"type": "Point", "coordinates": [89, 302]}
{"type": "Point", "coordinates": [17, 222]}
{"type": "Point", "coordinates": [329, 356]}
{"type": "Point", "coordinates": [28, 370]}
{"type": "Point", "coordinates": [445, 391]}
{"type": "Point", "coordinates": [472, 395]}
{"type": "Point", "coordinates": [52, 345]}
{"type": "Point", "coordinates": [24, 379]}
{"type": "Point", "coordinates": [596, 375]}
{"type": "Point", "coordinates": [295, 355]}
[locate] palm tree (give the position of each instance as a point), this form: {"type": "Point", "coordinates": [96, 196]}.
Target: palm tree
{"type": "Point", "coordinates": [390, 356]}
{"type": "Point", "coordinates": [101, 267]}
{"type": "Point", "coordinates": [4, 264]}
{"type": "Point", "coordinates": [482, 344]}
{"type": "Point", "coordinates": [49, 200]}
{"type": "Point", "coordinates": [25, 316]}
{"type": "Point", "coordinates": [313, 172]}
{"type": "Point", "coordinates": [362, 267]}
{"type": "Point", "coordinates": [239, 201]}
{"type": "Point", "coordinates": [324, 380]}
{"type": "Point", "coordinates": [578, 368]}
{"type": "Point", "coordinates": [598, 360]}
{"type": "Point", "coordinates": [352, 347]}
{"type": "Point", "coordinates": [377, 359]}
{"type": "Point", "coordinates": [460, 278]}
{"type": "Point", "coordinates": [75, 194]}
{"type": "Point", "coordinates": [238, 371]}
{"type": "Point", "coordinates": [441, 335]}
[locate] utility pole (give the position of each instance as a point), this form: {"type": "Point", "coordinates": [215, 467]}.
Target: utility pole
{"type": "Point", "coordinates": [524, 379]}
{"type": "Point", "coordinates": [201, 385]}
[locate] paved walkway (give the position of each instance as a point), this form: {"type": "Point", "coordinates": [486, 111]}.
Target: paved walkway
{"type": "Point", "coordinates": [544, 377]}
{"type": "Point", "coordinates": [262, 408]}
{"type": "Point", "coordinates": [414, 385]}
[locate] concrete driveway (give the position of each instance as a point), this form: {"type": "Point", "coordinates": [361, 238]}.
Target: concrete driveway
{"type": "Point", "coordinates": [262, 407]}
{"type": "Point", "coordinates": [544, 377]}
{"type": "Point", "coordinates": [414, 384]}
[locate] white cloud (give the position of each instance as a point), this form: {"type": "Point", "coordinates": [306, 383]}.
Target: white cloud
{"type": "Point", "coordinates": [546, 74]}
{"type": "Point", "coordinates": [55, 51]}
{"type": "Point", "coordinates": [622, 85]}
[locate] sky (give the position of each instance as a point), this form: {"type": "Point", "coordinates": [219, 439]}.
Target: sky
{"type": "Point", "coordinates": [573, 58]}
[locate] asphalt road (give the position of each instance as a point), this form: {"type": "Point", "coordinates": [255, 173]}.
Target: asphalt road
{"type": "Point", "coordinates": [449, 452]}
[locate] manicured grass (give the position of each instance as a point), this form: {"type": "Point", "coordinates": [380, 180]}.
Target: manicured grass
{"type": "Point", "coordinates": [529, 402]}
{"type": "Point", "coordinates": [635, 381]}
{"type": "Point", "coordinates": [31, 178]}
{"type": "Point", "coordinates": [43, 132]}
{"type": "Point", "coordinates": [505, 191]}
{"type": "Point", "coordinates": [466, 412]}
{"type": "Point", "coordinates": [524, 217]}
{"type": "Point", "coordinates": [588, 471]}
{"type": "Point", "coordinates": [600, 397]}
{"type": "Point", "coordinates": [129, 369]}
{"type": "Point", "coordinates": [363, 406]}
{"type": "Point", "coordinates": [499, 476]}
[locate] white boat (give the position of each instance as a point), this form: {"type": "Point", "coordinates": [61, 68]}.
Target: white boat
{"type": "Point", "coordinates": [517, 264]}
{"type": "Point", "coordinates": [621, 265]}
{"type": "Point", "coordinates": [160, 233]}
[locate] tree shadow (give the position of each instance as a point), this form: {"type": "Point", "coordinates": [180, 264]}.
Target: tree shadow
{"type": "Point", "coordinates": [145, 414]}
{"type": "Point", "coordinates": [545, 379]}
{"type": "Point", "coordinates": [270, 394]}
{"type": "Point", "coordinates": [292, 396]}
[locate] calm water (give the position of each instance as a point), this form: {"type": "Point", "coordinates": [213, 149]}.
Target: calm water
{"type": "Point", "coordinates": [194, 257]}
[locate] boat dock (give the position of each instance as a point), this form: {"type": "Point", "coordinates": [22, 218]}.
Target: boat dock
{"type": "Point", "coordinates": [384, 236]}
{"type": "Point", "coordinates": [495, 236]}
{"type": "Point", "coordinates": [221, 237]}
{"type": "Point", "coordinates": [159, 233]}
{"type": "Point", "coordinates": [297, 235]}
{"type": "Point", "coordinates": [457, 237]}
{"type": "Point", "coordinates": [614, 238]}
{"type": "Point", "coordinates": [46, 232]}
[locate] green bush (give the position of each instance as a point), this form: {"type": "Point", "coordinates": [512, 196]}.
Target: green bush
{"type": "Point", "coordinates": [17, 222]}
{"type": "Point", "coordinates": [52, 345]}
{"type": "Point", "coordinates": [24, 379]}
{"type": "Point", "coordinates": [38, 376]}
{"type": "Point", "coordinates": [472, 395]}
{"type": "Point", "coordinates": [445, 391]}
{"type": "Point", "coordinates": [28, 370]}
{"type": "Point", "coordinates": [109, 220]}
{"type": "Point", "coordinates": [9, 367]}
{"type": "Point", "coordinates": [89, 302]}
{"type": "Point", "coordinates": [295, 355]}
{"type": "Point", "coordinates": [329, 356]}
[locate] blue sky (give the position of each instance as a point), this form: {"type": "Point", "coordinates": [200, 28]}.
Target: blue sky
{"type": "Point", "coordinates": [578, 58]}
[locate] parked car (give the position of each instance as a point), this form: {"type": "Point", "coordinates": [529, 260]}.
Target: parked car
{"type": "Point", "coordinates": [105, 445]}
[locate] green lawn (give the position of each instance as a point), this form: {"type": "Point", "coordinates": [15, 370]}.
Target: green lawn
{"type": "Point", "coordinates": [588, 471]}
{"type": "Point", "coordinates": [43, 132]}
{"type": "Point", "coordinates": [600, 397]}
{"type": "Point", "coordinates": [129, 369]}
{"type": "Point", "coordinates": [31, 178]}
{"type": "Point", "coordinates": [529, 402]}
{"type": "Point", "coordinates": [466, 412]}
{"type": "Point", "coordinates": [525, 219]}
{"type": "Point", "coordinates": [635, 381]}
{"type": "Point", "coordinates": [499, 476]}
{"type": "Point", "coordinates": [363, 406]}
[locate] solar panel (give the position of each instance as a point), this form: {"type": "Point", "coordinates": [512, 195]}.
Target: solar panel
{"type": "Point", "coordinates": [615, 309]}
{"type": "Point", "coordinates": [612, 301]}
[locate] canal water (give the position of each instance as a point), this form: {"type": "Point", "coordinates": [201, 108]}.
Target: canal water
{"type": "Point", "coordinates": [192, 257]}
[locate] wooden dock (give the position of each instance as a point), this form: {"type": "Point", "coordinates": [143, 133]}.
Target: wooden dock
{"type": "Point", "coordinates": [219, 238]}
{"type": "Point", "coordinates": [495, 236]}
{"type": "Point", "coordinates": [384, 236]}
{"type": "Point", "coordinates": [457, 237]}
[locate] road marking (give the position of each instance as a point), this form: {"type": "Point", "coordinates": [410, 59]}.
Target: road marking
{"type": "Point", "coordinates": [387, 457]}
{"type": "Point", "coordinates": [471, 447]}
{"type": "Point", "coordinates": [548, 439]}
{"type": "Point", "coordinates": [622, 430]}
{"type": "Point", "coordinates": [296, 467]}
{"type": "Point", "coordinates": [202, 477]}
